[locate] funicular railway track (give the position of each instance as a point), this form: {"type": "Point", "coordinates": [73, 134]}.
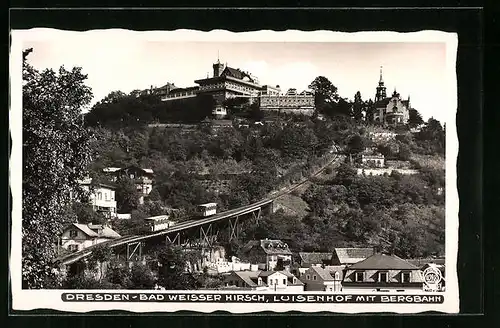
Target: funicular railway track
{"type": "Point", "coordinates": [185, 225]}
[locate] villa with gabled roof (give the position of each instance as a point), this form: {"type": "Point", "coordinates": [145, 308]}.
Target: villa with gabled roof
{"type": "Point", "coordinates": [382, 273]}
{"type": "Point", "coordinates": [78, 236]}
{"type": "Point", "coordinates": [267, 253]}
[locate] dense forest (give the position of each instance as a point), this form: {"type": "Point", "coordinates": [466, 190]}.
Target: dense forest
{"type": "Point", "coordinates": [403, 214]}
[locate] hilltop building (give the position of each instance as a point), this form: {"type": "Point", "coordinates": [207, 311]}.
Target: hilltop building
{"type": "Point", "coordinates": [391, 110]}
{"type": "Point", "coordinates": [227, 82]}
{"type": "Point", "coordinates": [371, 160]}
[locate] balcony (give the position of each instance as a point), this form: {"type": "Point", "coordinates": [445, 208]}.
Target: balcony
{"type": "Point", "coordinates": [104, 203]}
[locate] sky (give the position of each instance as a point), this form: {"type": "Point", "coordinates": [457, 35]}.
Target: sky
{"type": "Point", "coordinates": [415, 69]}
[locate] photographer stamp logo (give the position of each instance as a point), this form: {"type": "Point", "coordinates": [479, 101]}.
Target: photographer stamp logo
{"type": "Point", "coordinates": [432, 278]}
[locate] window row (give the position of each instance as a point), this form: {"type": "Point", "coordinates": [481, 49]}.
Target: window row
{"type": "Point", "coordinates": [382, 276]}
{"type": "Point", "coordinates": [107, 196]}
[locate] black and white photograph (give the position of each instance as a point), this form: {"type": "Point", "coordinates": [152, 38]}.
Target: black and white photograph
{"type": "Point", "coordinates": [244, 172]}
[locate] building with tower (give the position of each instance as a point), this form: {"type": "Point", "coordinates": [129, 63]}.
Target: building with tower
{"type": "Point", "coordinates": [390, 110]}
{"type": "Point", "coordinates": [227, 82]}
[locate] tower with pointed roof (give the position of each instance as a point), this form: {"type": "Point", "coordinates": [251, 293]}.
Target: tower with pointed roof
{"type": "Point", "coordinates": [390, 110]}
{"type": "Point", "coordinates": [381, 89]}
{"type": "Point", "coordinates": [218, 67]}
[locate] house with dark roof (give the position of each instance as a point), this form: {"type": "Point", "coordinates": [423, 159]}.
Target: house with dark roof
{"type": "Point", "coordinates": [382, 273]}
{"type": "Point", "coordinates": [350, 255]}
{"type": "Point", "coordinates": [76, 237]}
{"type": "Point", "coordinates": [281, 281]}
{"type": "Point", "coordinates": [327, 279]}
{"type": "Point", "coordinates": [142, 177]}
{"type": "Point", "coordinates": [267, 254]}
{"type": "Point", "coordinates": [306, 260]}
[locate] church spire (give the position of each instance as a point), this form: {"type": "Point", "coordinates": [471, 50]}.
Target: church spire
{"type": "Point", "coordinates": [381, 90]}
{"type": "Point", "coordinates": [218, 61]}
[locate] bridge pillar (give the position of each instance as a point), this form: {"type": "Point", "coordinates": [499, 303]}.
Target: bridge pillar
{"type": "Point", "coordinates": [233, 228]}
{"type": "Point", "coordinates": [269, 208]}
{"type": "Point", "coordinates": [134, 248]}
{"type": "Point", "coordinates": [257, 215]}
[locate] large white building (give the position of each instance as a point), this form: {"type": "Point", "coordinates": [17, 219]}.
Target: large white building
{"type": "Point", "coordinates": [227, 82]}
{"type": "Point", "coordinates": [101, 198]}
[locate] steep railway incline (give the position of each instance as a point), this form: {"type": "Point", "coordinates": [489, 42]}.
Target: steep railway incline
{"type": "Point", "coordinates": [71, 258]}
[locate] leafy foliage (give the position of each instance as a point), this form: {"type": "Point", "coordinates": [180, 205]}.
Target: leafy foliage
{"type": "Point", "coordinates": [415, 118]}
{"type": "Point", "coordinates": [358, 107]}
{"type": "Point", "coordinates": [56, 151]}
{"type": "Point", "coordinates": [127, 196]}
{"type": "Point", "coordinates": [172, 271]}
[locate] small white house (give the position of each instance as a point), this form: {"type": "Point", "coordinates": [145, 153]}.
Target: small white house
{"type": "Point", "coordinates": [80, 236]}
{"type": "Point", "coordinates": [278, 281]}
{"type": "Point", "coordinates": [317, 278]}
{"type": "Point", "coordinates": [372, 160]}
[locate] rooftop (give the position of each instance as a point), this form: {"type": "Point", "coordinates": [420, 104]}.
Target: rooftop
{"type": "Point", "coordinates": [269, 246]}
{"type": "Point", "coordinates": [97, 230]}
{"type": "Point", "coordinates": [353, 255]}
{"type": "Point", "coordinates": [380, 261]}
{"type": "Point", "coordinates": [323, 273]}
{"type": "Point", "coordinates": [116, 169]}
{"type": "Point", "coordinates": [248, 276]}
{"type": "Point", "coordinates": [315, 258]}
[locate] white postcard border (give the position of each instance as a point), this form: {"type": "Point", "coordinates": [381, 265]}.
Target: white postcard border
{"type": "Point", "coordinates": [51, 299]}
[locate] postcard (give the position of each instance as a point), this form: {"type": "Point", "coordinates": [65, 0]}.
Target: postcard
{"type": "Point", "coordinates": [212, 171]}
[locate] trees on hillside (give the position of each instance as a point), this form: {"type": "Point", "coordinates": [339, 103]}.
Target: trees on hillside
{"type": "Point", "coordinates": [127, 196]}
{"type": "Point", "coordinates": [172, 273]}
{"type": "Point", "coordinates": [415, 118]}
{"type": "Point", "coordinates": [370, 110]}
{"type": "Point", "coordinates": [431, 138]}
{"type": "Point", "coordinates": [324, 93]}
{"type": "Point", "coordinates": [56, 152]}
{"type": "Point", "coordinates": [356, 144]}
{"type": "Point", "coordinates": [399, 212]}
{"type": "Point", "coordinates": [358, 107]}
{"type": "Point", "coordinates": [297, 143]}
